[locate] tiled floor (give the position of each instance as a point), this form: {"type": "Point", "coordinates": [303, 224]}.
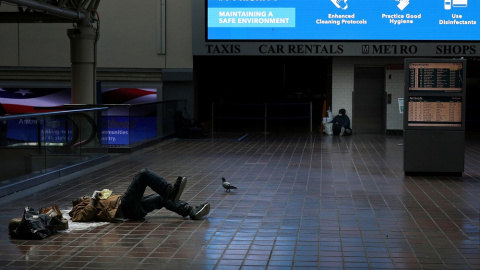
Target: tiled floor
{"type": "Point", "coordinates": [303, 202]}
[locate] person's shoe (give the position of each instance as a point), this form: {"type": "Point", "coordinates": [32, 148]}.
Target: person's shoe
{"type": "Point", "coordinates": [178, 188]}
{"type": "Point", "coordinates": [199, 211]}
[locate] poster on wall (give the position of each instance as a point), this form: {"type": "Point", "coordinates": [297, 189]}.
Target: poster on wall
{"type": "Point", "coordinates": [23, 100]}
{"type": "Point", "coordinates": [129, 124]}
{"type": "Point", "coordinates": [374, 20]}
{"type": "Point", "coordinates": [128, 95]}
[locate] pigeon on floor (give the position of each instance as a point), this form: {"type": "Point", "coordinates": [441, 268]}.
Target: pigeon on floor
{"type": "Point", "coordinates": [227, 185]}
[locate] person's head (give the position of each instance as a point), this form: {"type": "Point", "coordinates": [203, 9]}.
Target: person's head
{"type": "Point", "coordinates": [79, 200]}
{"type": "Point", "coordinates": [342, 111]}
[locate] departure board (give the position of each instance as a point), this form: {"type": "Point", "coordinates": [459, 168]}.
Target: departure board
{"type": "Point", "coordinates": [434, 118]}
{"type": "Point", "coordinates": [443, 77]}
{"type": "Point", "coordinates": [431, 111]}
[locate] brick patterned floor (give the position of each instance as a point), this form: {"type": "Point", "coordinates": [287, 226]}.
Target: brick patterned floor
{"type": "Point", "coordinates": [303, 202]}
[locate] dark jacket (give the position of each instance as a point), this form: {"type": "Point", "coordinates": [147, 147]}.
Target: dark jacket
{"type": "Point", "coordinates": [102, 210]}
{"type": "Point", "coordinates": [342, 120]}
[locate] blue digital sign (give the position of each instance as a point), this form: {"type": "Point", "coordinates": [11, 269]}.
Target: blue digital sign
{"type": "Point", "coordinates": [375, 20]}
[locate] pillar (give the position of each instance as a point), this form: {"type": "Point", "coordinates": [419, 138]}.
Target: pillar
{"type": "Point", "coordinates": [82, 57]}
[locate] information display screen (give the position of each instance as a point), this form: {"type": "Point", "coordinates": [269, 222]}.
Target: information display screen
{"type": "Point", "coordinates": [434, 111]}
{"type": "Point", "coordinates": [428, 20]}
{"type": "Point", "coordinates": [444, 77]}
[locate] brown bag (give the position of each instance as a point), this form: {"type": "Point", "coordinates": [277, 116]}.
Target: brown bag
{"type": "Point", "coordinates": [54, 212]}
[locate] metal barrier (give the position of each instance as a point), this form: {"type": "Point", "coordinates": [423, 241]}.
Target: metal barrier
{"type": "Point", "coordinates": [261, 111]}
{"type": "Point", "coordinates": [36, 147]}
{"type": "Point", "coordinates": [124, 125]}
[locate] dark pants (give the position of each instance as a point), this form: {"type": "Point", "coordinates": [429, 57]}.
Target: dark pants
{"type": "Point", "coordinates": [337, 130]}
{"type": "Point", "coordinates": [136, 206]}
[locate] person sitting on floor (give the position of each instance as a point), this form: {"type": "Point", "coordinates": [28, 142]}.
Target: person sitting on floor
{"type": "Point", "coordinates": [133, 204]}
{"type": "Point", "coordinates": [341, 124]}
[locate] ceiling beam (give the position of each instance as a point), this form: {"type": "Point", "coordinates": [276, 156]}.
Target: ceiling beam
{"type": "Point", "coordinates": [30, 17]}
{"type": "Point", "coordinates": [50, 9]}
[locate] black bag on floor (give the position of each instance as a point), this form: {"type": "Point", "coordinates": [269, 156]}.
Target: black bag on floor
{"type": "Point", "coordinates": [33, 225]}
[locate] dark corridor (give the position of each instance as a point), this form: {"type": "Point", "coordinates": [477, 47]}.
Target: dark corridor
{"type": "Point", "coordinates": [239, 88]}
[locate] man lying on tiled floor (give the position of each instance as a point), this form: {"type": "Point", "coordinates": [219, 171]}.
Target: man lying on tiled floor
{"type": "Point", "coordinates": [133, 204]}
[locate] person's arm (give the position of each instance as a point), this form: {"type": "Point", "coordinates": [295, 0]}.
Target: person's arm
{"type": "Point", "coordinates": [347, 122]}
{"type": "Point", "coordinates": [85, 211]}
{"type": "Point", "coordinates": [334, 120]}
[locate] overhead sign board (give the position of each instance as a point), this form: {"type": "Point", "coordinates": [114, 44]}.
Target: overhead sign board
{"type": "Point", "coordinates": [405, 20]}
{"type": "Point", "coordinates": [413, 28]}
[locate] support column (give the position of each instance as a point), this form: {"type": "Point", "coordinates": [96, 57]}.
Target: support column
{"type": "Point", "coordinates": [82, 57]}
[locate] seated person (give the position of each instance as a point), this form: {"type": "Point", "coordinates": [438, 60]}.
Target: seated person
{"type": "Point", "coordinates": [133, 204]}
{"type": "Point", "coordinates": [341, 124]}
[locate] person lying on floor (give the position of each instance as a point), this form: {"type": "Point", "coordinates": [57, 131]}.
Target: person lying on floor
{"type": "Point", "coordinates": [133, 204]}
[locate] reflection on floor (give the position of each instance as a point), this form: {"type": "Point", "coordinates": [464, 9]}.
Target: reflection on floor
{"type": "Point", "coordinates": [303, 202]}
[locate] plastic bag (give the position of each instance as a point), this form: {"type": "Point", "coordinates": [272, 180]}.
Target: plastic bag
{"type": "Point", "coordinates": [105, 194]}
{"type": "Point", "coordinates": [34, 225]}
{"type": "Point", "coordinates": [328, 128]}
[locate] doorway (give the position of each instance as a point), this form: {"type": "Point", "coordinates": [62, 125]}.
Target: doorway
{"type": "Point", "coordinates": [233, 92]}
{"type": "Point", "coordinates": [369, 100]}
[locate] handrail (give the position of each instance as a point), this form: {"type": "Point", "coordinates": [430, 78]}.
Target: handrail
{"type": "Point", "coordinates": [17, 116]}
{"type": "Point", "coordinates": [265, 117]}
{"type": "Point", "coordinates": [143, 104]}
{"type": "Point", "coordinates": [83, 110]}
{"type": "Point", "coordinates": [63, 114]}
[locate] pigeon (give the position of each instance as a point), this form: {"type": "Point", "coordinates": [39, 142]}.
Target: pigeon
{"type": "Point", "coordinates": [227, 185]}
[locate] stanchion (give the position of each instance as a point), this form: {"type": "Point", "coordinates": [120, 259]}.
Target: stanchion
{"type": "Point", "coordinates": [311, 117]}
{"type": "Point", "coordinates": [213, 114]}
{"type": "Point", "coordinates": [265, 119]}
